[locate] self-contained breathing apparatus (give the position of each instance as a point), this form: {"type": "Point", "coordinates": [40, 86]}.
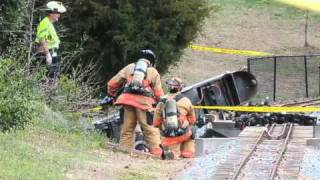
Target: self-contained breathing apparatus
{"type": "Point", "coordinates": [139, 74]}
{"type": "Point", "coordinates": [171, 125]}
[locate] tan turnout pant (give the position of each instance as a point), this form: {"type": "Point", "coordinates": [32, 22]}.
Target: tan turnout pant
{"type": "Point", "coordinates": [132, 116]}
{"type": "Point", "coordinates": [185, 149]}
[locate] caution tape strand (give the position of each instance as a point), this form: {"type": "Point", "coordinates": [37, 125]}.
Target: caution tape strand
{"type": "Point", "coordinates": [229, 51]}
{"type": "Point", "coordinates": [260, 108]}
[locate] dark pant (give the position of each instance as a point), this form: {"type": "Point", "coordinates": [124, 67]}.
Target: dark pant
{"type": "Point", "coordinates": [53, 68]}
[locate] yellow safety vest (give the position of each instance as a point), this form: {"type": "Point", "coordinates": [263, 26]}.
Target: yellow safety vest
{"type": "Point", "coordinates": [47, 32]}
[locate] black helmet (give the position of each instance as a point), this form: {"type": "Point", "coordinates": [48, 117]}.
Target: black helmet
{"type": "Point", "coordinates": [149, 55]}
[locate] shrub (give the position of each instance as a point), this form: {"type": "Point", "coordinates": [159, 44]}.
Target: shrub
{"type": "Point", "coordinates": [18, 94]}
{"type": "Point", "coordinates": [69, 94]}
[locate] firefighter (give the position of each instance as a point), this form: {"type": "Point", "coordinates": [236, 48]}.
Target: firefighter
{"type": "Point", "coordinates": [142, 89]}
{"type": "Point", "coordinates": [175, 117]}
{"type": "Point", "coordinates": [47, 39]}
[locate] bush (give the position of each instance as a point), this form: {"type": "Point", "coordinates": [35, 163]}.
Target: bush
{"type": "Point", "coordinates": [18, 94]}
{"type": "Point", "coordinates": [69, 94]}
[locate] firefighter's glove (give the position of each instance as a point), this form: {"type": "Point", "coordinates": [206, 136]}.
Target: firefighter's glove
{"type": "Point", "coordinates": [106, 101]}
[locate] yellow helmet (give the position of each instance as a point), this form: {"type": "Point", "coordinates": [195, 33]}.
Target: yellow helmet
{"type": "Point", "coordinates": [56, 7]}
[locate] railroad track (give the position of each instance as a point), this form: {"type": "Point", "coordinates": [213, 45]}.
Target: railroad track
{"type": "Point", "coordinates": [266, 155]}
{"type": "Point", "coordinates": [311, 102]}
{"type": "Point", "coordinates": [271, 153]}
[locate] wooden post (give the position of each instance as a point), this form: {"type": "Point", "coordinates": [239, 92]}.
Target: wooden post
{"type": "Point", "coordinates": [306, 44]}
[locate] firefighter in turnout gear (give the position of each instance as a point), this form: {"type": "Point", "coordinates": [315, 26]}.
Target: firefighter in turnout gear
{"type": "Point", "coordinates": [175, 117]}
{"type": "Point", "coordinates": [141, 90]}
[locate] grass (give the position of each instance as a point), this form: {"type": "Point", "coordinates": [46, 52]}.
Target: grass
{"type": "Point", "coordinates": [290, 77]}
{"type": "Point", "coordinates": [45, 150]}
{"type": "Point", "coordinates": [229, 12]}
{"type": "Point", "coordinates": [136, 175]}
{"type": "Point", "coordinates": [270, 7]}
{"type": "Point", "coordinates": [285, 66]}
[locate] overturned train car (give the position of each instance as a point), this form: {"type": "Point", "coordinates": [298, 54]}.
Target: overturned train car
{"type": "Point", "coordinates": [229, 89]}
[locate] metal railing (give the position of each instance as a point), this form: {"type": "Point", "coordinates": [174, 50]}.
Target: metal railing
{"type": "Point", "coordinates": [286, 77]}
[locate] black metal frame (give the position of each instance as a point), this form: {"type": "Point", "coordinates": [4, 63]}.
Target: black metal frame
{"type": "Point", "coordinates": [306, 74]}
{"type": "Point", "coordinates": [274, 77]}
{"type": "Point", "coordinates": [274, 59]}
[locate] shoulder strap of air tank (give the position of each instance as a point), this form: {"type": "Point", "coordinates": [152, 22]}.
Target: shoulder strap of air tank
{"type": "Point", "coordinates": [178, 97]}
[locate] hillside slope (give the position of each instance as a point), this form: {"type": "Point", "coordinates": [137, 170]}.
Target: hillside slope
{"type": "Point", "coordinates": [255, 25]}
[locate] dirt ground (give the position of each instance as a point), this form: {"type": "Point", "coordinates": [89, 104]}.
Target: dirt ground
{"type": "Point", "coordinates": [249, 29]}
{"type": "Point", "coordinates": [119, 165]}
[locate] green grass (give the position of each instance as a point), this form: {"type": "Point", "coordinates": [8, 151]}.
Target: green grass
{"type": "Point", "coordinates": [130, 175]}
{"type": "Point", "coordinates": [45, 150]}
{"type": "Point", "coordinates": [285, 66]}
{"type": "Point", "coordinates": [272, 8]}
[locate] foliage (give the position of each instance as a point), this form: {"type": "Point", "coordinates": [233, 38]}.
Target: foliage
{"type": "Point", "coordinates": [69, 94]}
{"type": "Point", "coordinates": [7, 21]}
{"type": "Point", "coordinates": [46, 150]}
{"type": "Point", "coordinates": [18, 94]}
{"type": "Point", "coordinates": [112, 31]}
{"type": "Point", "coordinates": [14, 17]}
{"type": "Point", "coordinates": [130, 175]}
{"type": "Point", "coordinates": [116, 30]}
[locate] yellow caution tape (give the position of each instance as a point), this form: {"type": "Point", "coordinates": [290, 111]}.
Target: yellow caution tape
{"type": "Point", "coordinates": [96, 109]}
{"type": "Point", "coordinates": [313, 5]}
{"type": "Point", "coordinates": [229, 51]}
{"type": "Point", "coordinates": [260, 108]}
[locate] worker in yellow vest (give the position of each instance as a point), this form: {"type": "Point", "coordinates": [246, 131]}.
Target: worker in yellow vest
{"type": "Point", "coordinates": [47, 39]}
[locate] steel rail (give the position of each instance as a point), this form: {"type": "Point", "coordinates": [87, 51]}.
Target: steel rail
{"type": "Point", "coordinates": [246, 159]}
{"type": "Point", "coordinates": [268, 134]}
{"type": "Point", "coordinates": [283, 132]}
{"type": "Point", "coordinates": [260, 138]}
{"type": "Point", "coordinates": [271, 128]}
{"type": "Point", "coordinates": [301, 102]}
{"type": "Point", "coordinates": [312, 104]}
{"type": "Point", "coordinates": [283, 149]}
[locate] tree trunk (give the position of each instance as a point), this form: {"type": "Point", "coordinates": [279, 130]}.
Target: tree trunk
{"type": "Point", "coordinates": [32, 3]}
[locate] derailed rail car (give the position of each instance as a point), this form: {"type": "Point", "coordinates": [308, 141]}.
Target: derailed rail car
{"type": "Point", "coordinates": [229, 89]}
